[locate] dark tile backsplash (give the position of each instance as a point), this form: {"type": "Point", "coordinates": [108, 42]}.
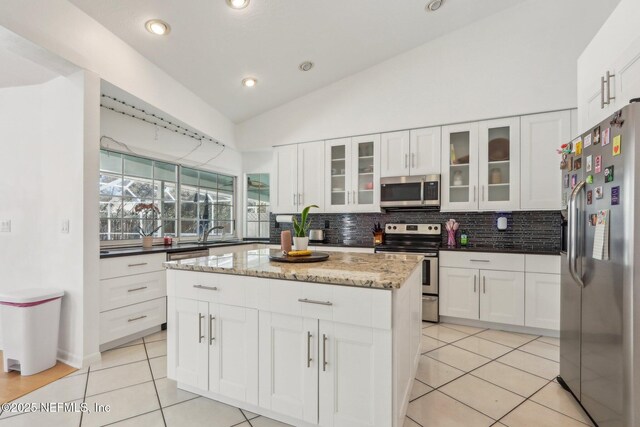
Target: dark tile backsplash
{"type": "Point", "coordinates": [540, 230]}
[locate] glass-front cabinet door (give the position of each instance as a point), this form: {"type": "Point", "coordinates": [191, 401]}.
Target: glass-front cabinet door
{"type": "Point", "coordinates": [365, 173]}
{"type": "Point", "coordinates": [499, 169]}
{"type": "Point", "coordinates": [338, 176]}
{"type": "Point", "coordinates": [460, 167]}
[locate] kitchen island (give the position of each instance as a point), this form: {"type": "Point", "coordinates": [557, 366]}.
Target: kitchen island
{"type": "Point", "coordinates": [334, 343]}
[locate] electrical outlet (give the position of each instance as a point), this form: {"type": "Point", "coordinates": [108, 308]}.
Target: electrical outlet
{"type": "Point", "coordinates": [5, 226]}
{"type": "Point", "coordinates": [326, 224]}
{"type": "Point", "coordinates": [65, 226]}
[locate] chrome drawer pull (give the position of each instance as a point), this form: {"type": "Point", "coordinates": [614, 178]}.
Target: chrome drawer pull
{"type": "Point", "coordinates": [479, 260]}
{"type": "Point", "coordinates": [208, 288]}
{"type": "Point", "coordinates": [138, 264]}
{"type": "Point", "coordinates": [137, 318]}
{"type": "Point", "coordinates": [310, 301]}
{"type": "Point", "coordinates": [137, 289]}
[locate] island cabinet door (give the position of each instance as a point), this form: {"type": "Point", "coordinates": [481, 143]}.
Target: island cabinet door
{"type": "Point", "coordinates": [191, 350]}
{"type": "Point", "coordinates": [355, 376]}
{"type": "Point", "coordinates": [459, 292]}
{"type": "Point", "coordinates": [288, 365]}
{"type": "Point", "coordinates": [233, 351]}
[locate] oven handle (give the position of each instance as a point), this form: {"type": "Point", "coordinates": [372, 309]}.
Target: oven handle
{"type": "Point", "coordinates": [424, 254]}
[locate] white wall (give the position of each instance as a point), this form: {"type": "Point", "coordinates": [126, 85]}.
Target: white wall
{"type": "Point", "coordinates": [519, 61]}
{"type": "Point", "coordinates": [67, 31]}
{"type": "Point", "coordinates": [48, 173]}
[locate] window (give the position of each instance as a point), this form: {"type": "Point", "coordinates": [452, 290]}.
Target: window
{"type": "Point", "coordinates": [258, 208]}
{"type": "Point", "coordinates": [203, 198]}
{"type": "Point", "coordinates": [206, 200]}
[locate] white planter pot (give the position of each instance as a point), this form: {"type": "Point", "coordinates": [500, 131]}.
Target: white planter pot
{"type": "Point", "coordinates": [300, 243]}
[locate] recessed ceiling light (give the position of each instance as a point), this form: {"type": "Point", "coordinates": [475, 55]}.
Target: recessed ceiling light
{"type": "Point", "coordinates": [238, 4]}
{"type": "Point", "coordinates": [306, 66]}
{"type": "Point", "coordinates": [434, 5]}
{"type": "Point", "coordinates": [249, 82]}
{"type": "Point", "coordinates": [158, 27]}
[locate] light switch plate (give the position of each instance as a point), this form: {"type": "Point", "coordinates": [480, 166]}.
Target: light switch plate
{"type": "Point", "coordinates": [65, 226]}
{"type": "Point", "coordinates": [5, 226]}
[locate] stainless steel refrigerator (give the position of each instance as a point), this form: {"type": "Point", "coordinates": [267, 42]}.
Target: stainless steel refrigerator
{"type": "Point", "coordinates": [598, 329]}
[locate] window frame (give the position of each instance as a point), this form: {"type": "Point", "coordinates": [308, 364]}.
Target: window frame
{"type": "Point", "coordinates": [246, 208]}
{"type": "Point", "coordinates": [178, 202]}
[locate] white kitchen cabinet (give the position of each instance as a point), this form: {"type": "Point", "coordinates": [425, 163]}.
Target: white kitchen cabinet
{"type": "Point", "coordinates": [459, 179]}
{"type": "Point", "coordinates": [502, 297]}
{"type": "Point", "coordinates": [217, 348]}
{"type": "Point", "coordinates": [288, 365]}
{"type": "Point", "coordinates": [542, 300]}
{"type": "Point", "coordinates": [415, 152]}
{"type": "Point", "coordinates": [541, 135]}
{"type": "Point", "coordinates": [627, 80]}
{"type": "Point", "coordinates": [459, 292]}
{"type": "Point", "coordinates": [352, 183]}
{"type": "Point", "coordinates": [284, 189]}
{"type": "Point", "coordinates": [298, 177]}
{"type": "Point", "coordinates": [499, 164]}
{"type": "Point", "coordinates": [354, 389]}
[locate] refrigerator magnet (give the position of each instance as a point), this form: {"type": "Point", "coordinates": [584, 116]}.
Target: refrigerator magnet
{"type": "Point", "coordinates": [589, 163]}
{"type": "Point", "coordinates": [577, 163]}
{"type": "Point", "coordinates": [598, 164]}
{"type": "Point", "coordinates": [570, 164]}
{"type": "Point", "coordinates": [578, 147]}
{"type": "Point", "coordinates": [589, 179]}
{"type": "Point", "coordinates": [593, 219]}
{"type": "Point", "coordinates": [599, 192]}
{"type": "Point", "coordinates": [566, 181]}
{"type": "Point", "coordinates": [589, 197]}
{"type": "Point", "coordinates": [596, 135]}
{"type": "Point", "coordinates": [587, 140]}
{"type": "Point", "coordinates": [615, 195]}
{"type": "Point", "coordinates": [608, 174]}
{"type": "Point", "coordinates": [605, 136]}
{"type": "Point", "coordinates": [574, 181]}
{"type": "Point", "coordinates": [616, 145]}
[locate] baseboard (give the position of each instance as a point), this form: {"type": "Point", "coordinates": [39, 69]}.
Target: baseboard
{"type": "Point", "coordinates": [501, 326]}
{"type": "Point", "coordinates": [124, 340]}
{"type": "Point", "coordinates": [75, 360]}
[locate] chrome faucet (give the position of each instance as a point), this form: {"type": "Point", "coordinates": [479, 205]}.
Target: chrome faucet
{"type": "Point", "coordinates": [205, 234]}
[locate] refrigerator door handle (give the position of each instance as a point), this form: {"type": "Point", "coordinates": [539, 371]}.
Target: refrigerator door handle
{"type": "Point", "coordinates": [572, 247]}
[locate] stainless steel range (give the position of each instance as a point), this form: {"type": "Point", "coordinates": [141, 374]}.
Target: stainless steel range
{"type": "Point", "coordinates": [420, 239]}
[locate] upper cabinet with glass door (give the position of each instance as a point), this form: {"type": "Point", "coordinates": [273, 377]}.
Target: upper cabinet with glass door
{"type": "Point", "coordinates": [499, 164]}
{"type": "Point", "coordinates": [460, 167]}
{"type": "Point", "coordinates": [353, 176]}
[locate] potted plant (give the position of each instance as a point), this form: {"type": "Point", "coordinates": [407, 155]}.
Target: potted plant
{"type": "Point", "coordinates": [301, 240]}
{"type": "Point", "coordinates": [147, 210]}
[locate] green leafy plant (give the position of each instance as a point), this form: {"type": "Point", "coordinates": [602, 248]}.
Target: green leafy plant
{"type": "Point", "coordinates": [301, 228]}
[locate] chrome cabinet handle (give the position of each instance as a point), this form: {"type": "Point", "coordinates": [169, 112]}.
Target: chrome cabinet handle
{"type": "Point", "coordinates": [294, 199]}
{"type": "Point", "coordinates": [310, 301]}
{"type": "Point", "coordinates": [484, 284]}
{"type": "Point", "coordinates": [200, 336]}
{"type": "Point", "coordinates": [354, 198]}
{"type": "Point", "coordinates": [348, 197]}
{"type": "Point", "coordinates": [137, 289]}
{"type": "Point", "coordinates": [602, 92]}
{"type": "Point", "coordinates": [300, 198]}
{"type": "Point", "coordinates": [406, 160]}
{"type": "Point", "coordinates": [574, 222]}
{"type": "Point", "coordinates": [324, 353]}
{"type": "Point", "coordinates": [474, 283]}
{"type": "Point", "coordinates": [309, 359]}
{"type": "Point", "coordinates": [137, 318]}
{"type": "Point", "coordinates": [474, 193]}
{"type": "Point", "coordinates": [138, 264]}
{"type": "Point", "coordinates": [483, 193]}
{"type": "Point", "coordinates": [208, 288]}
{"type": "Point", "coordinates": [413, 160]}
{"type": "Point", "coordinates": [609, 97]}
{"type": "Point", "coordinates": [479, 260]}
{"type": "Point", "coordinates": [211, 335]}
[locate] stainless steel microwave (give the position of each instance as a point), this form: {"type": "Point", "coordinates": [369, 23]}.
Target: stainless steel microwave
{"type": "Point", "coordinates": [410, 191]}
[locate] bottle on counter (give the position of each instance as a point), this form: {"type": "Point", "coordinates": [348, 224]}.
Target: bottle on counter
{"type": "Point", "coordinates": [464, 238]}
{"type": "Point", "coordinates": [285, 241]}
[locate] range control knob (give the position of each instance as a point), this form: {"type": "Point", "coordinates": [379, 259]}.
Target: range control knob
{"type": "Point", "coordinates": [435, 228]}
{"type": "Point", "coordinates": [395, 228]}
{"type": "Point", "coordinates": [430, 228]}
{"type": "Point", "coordinates": [388, 227]}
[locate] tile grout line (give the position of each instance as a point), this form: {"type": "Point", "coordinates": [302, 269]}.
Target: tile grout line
{"type": "Point", "coordinates": [129, 418]}
{"type": "Point", "coordinates": [84, 397]}
{"type": "Point", "coordinates": [155, 387]}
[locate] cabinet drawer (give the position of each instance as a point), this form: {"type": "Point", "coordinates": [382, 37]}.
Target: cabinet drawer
{"type": "Point", "coordinates": [482, 260]}
{"type": "Point", "coordinates": [210, 287]}
{"type": "Point", "coordinates": [127, 290]}
{"type": "Point", "coordinates": [542, 264]}
{"type": "Point", "coordinates": [125, 266]}
{"type": "Point", "coordinates": [128, 320]}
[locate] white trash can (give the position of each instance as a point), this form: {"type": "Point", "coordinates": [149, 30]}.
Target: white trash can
{"type": "Point", "coordinates": [30, 320]}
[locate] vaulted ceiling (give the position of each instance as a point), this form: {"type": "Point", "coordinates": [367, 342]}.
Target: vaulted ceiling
{"type": "Point", "coordinates": [212, 47]}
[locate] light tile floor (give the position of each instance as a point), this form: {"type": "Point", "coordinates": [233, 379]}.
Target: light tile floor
{"type": "Point", "coordinates": [467, 377]}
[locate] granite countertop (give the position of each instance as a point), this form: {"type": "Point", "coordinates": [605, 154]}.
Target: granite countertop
{"type": "Point", "coordinates": [139, 250]}
{"type": "Point", "coordinates": [380, 271]}
{"type": "Point", "coordinates": [506, 249]}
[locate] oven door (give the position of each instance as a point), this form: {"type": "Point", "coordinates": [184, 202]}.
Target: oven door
{"type": "Point", "coordinates": [430, 275]}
